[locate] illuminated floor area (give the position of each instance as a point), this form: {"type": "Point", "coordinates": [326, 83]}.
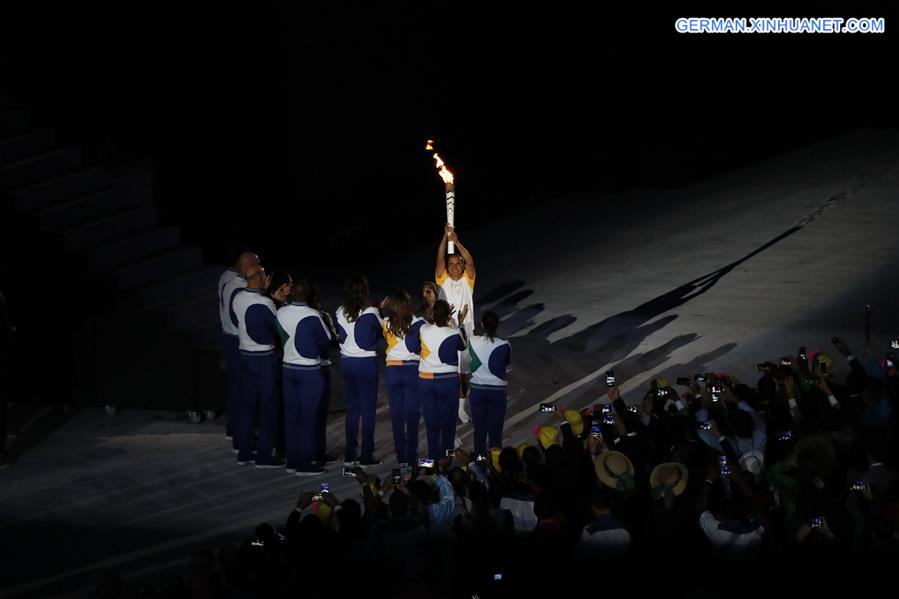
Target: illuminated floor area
{"type": "Point", "coordinates": [777, 255]}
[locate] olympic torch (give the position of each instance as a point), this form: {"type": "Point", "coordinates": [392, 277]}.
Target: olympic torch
{"type": "Point", "coordinates": [450, 186]}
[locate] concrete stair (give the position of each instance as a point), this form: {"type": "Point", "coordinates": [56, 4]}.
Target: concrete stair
{"type": "Point", "coordinates": [84, 229]}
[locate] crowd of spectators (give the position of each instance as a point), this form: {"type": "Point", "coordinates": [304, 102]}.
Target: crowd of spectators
{"type": "Point", "coordinates": [712, 487]}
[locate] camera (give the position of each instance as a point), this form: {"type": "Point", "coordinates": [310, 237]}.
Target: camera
{"type": "Point", "coordinates": [894, 344]}
{"type": "Point", "coordinates": [326, 488]}
{"type": "Point", "coordinates": [450, 453]}
{"type": "Point", "coordinates": [634, 409]}
{"type": "Point", "coordinates": [480, 458]}
{"type": "Point", "coordinates": [397, 476]}
{"type": "Point", "coordinates": [722, 460]}
{"type": "Point", "coordinates": [786, 362]}
{"type": "Point", "coordinates": [803, 353]}
{"type": "Point", "coordinates": [608, 418]}
{"type": "Point", "coordinates": [858, 486]}
{"type": "Point", "coordinates": [426, 463]}
{"type": "Point", "coordinates": [498, 577]}
{"type": "Point", "coordinates": [706, 425]}
{"type": "Point", "coordinates": [725, 470]}
{"type": "Point", "coordinates": [547, 407]}
{"type": "Point", "coordinates": [716, 392]}
{"type": "Point", "coordinates": [785, 436]}
{"type": "Point", "coordinates": [699, 378]}
{"type": "Point", "coordinates": [348, 472]}
{"type": "Point", "coordinates": [595, 430]}
{"type": "Point", "coordinates": [890, 361]}
{"type": "Point", "coordinates": [817, 522]}
{"type": "Point", "coordinates": [610, 378]}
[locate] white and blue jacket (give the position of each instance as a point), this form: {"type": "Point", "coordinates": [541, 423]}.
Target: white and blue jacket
{"type": "Point", "coordinates": [256, 322]}
{"type": "Point", "coordinates": [489, 360]}
{"type": "Point", "coordinates": [227, 292]}
{"type": "Point", "coordinates": [304, 335]}
{"type": "Point", "coordinates": [358, 339]}
{"type": "Point", "coordinates": [224, 306]}
{"type": "Point", "coordinates": [405, 350]}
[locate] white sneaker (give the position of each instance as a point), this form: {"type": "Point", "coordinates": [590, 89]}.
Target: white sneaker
{"type": "Point", "coordinates": [463, 415]}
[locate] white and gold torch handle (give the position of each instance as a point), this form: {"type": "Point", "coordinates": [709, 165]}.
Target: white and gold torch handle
{"type": "Point", "coordinates": [450, 213]}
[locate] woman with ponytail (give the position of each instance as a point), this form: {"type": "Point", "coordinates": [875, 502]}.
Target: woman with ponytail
{"type": "Point", "coordinates": [401, 330]}
{"type": "Point", "coordinates": [490, 357]}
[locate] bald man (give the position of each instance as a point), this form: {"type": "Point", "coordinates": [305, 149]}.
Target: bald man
{"type": "Point", "coordinates": [232, 282]}
{"type": "Point", "coordinates": [258, 333]}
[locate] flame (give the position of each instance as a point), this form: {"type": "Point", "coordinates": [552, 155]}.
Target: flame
{"type": "Point", "coordinates": [444, 172]}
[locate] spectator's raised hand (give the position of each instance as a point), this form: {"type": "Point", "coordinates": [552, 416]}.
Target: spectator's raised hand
{"type": "Point", "coordinates": [790, 387]}
{"type": "Point", "coordinates": [462, 457]}
{"type": "Point", "coordinates": [614, 393]}
{"type": "Point", "coordinates": [463, 313]}
{"type": "Point", "coordinates": [713, 428]}
{"type": "Point", "coordinates": [619, 425]}
{"type": "Point", "coordinates": [841, 346]}
{"type": "Point", "coordinates": [329, 499]}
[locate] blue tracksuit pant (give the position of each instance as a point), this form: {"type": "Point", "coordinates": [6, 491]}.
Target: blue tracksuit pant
{"type": "Point", "coordinates": [440, 407]}
{"type": "Point", "coordinates": [303, 389]}
{"type": "Point", "coordinates": [405, 410]}
{"type": "Point", "coordinates": [360, 393]}
{"type": "Point", "coordinates": [257, 393]}
{"type": "Point", "coordinates": [488, 411]}
{"type": "Point", "coordinates": [321, 418]}
{"type": "Point", "coordinates": [230, 344]}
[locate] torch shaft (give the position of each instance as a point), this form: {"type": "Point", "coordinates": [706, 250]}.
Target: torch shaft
{"type": "Point", "coordinates": [450, 213]}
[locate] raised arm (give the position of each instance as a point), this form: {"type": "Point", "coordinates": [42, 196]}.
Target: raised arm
{"type": "Point", "coordinates": [469, 261]}
{"type": "Point", "coordinates": [440, 266]}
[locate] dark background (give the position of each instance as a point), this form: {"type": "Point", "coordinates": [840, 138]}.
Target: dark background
{"type": "Point", "coordinates": [300, 131]}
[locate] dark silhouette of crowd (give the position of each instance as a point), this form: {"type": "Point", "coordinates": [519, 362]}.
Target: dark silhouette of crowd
{"type": "Point", "coordinates": [713, 488]}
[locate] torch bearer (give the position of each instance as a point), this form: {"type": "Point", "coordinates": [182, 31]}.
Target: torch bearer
{"type": "Point", "coordinates": [450, 185]}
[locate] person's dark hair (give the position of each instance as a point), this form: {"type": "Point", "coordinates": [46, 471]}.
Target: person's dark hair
{"type": "Point", "coordinates": [355, 297]}
{"type": "Point", "coordinates": [490, 322]}
{"type": "Point", "coordinates": [547, 505]}
{"type": "Point", "coordinates": [300, 292]}
{"type": "Point", "coordinates": [312, 299]}
{"type": "Point", "coordinates": [399, 313]}
{"type": "Point", "coordinates": [741, 423]}
{"type": "Point", "coordinates": [601, 497]}
{"type": "Point", "coordinates": [459, 479]}
{"type": "Point", "coordinates": [279, 277]}
{"type": "Point", "coordinates": [421, 491]}
{"type": "Point", "coordinates": [509, 461]}
{"type": "Point", "coordinates": [399, 505]}
{"type": "Point", "coordinates": [442, 313]}
{"type": "Point", "coordinates": [425, 306]}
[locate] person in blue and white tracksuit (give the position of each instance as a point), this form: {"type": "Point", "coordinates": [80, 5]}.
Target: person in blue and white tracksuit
{"type": "Point", "coordinates": [232, 282]}
{"type": "Point", "coordinates": [438, 378]}
{"type": "Point", "coordinates": [359, 327]}
{"type": "Point", "coordinates": [321, 456]}
{"type": "Point", "coordinates": [490, 356]}
{"type": "Point", "coordinates": [401, 330]}
{"type": "Point", "coordinates": [258, 328]}
{"type": "Point", "coordinates": [305, 337]}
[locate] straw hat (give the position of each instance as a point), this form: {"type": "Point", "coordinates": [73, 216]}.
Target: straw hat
{"type": "Point", "coordinates": [615, 470]}
{"type": "Point", "coordinates": [672, 475]}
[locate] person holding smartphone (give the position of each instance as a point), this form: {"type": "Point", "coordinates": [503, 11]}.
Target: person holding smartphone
{"type": "Point", "coordinates": [490, 357]}
{"type": "Point", "coordinates": [438, 378]}
{"type": "Point", "coordinates": [401, 330]}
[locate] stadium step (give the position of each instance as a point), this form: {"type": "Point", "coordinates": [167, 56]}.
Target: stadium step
{"type": "Point", "coordinates": [176, 290]}
{"type": "Point", "coordinates": [109, 228]}
{"type": "Point", "coordinates": [39, 168]}
{"type": "Point", "coordinates": [58, 189]}
{"type": "Point", "coordinates": [70, 213]}
{"type": "Point", "coordinates": [158, 267]}
{"type": "Point", "coordinates": [130, 249]}
{"type": "Point", "coordinates": [26, 144]}
{"type": "Point", "coordinates": [14, 122]}
{"type": "Point", "coordinates": [195, 313]}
